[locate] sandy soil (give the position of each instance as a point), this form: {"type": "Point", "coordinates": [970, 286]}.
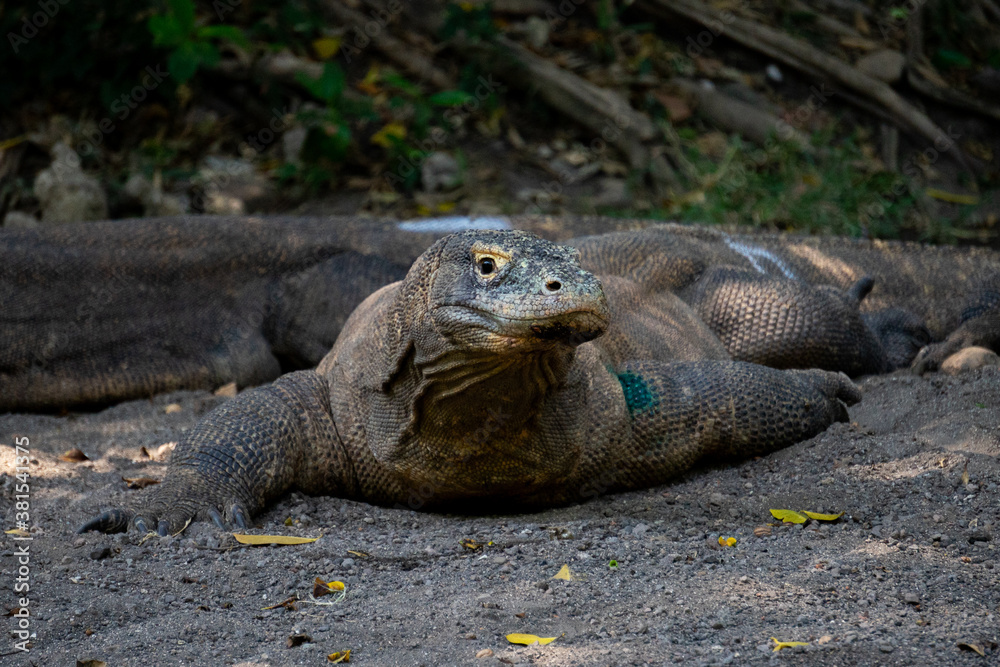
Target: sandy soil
{"type": "Point", "coordinates": [907, 574]}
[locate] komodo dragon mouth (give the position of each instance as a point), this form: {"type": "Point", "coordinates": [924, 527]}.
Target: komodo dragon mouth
{"type": "Point", "coordinates": [572, 327]}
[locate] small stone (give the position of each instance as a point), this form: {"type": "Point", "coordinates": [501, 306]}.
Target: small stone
{"type": "Point", "coordinates": [969, 359]}
{"type": "Point", "coordinates": [440, 171]}
{"type": "Point", "coordinates": [640, 529]}
{"type": "Point", "coordinates": [347, 562]}
{"type": "Point", "coordinates": [100, 553]}
{"type": "Point", "coordinates": [173, 408]}
{"type": "Point", "coordinates": [66, 193]}
{"type": "Point", "coordinates": [226, 390]}
{"type": "Point", "coordinates": [484, 653]}
{"type": "Point", "coordinates": [885, 65]}
{"type": "Point", "coordinates": [886, 648]}
{"type": "Point", "coordinates": [911, 598]}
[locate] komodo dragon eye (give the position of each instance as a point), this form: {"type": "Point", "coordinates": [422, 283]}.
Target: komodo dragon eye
{"type": "Point", "coordinates": [489, 260]}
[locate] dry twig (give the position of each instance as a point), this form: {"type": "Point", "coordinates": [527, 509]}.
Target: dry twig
{"type": "Point", "coordinates": [802, 56]}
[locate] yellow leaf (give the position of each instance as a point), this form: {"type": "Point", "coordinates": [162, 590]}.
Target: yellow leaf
{"type": "Point", "coordinates": [17, 532]}
{"type": "Point", "coordinates": [780, 645]}
{"type": "Point", "coordinates": [381, 138]}
{"type": "Point", "coordinates": [791, 516]}
{"type": "Point", "coordinates": [972, 647]}
{"type": "Point", "coordinates": [822, 517]}
{"type": "Point", "coordinates": [340, 656]}
{"type": "Point", "coordinates": [326, 47]}
{"type": "Point", "coordinates": [564, 574]}
{"type": "Point", "coordinates": [951, 197]}
{"type": "Point", "coordinates": [10, 143]}
{"type": "Point", "coordinates": [445, 206]}
{"type": "Point", "coordinates": [470, 544]}
{"type": "Point", "coordinates": [727, 541]}
{"type": "Point", "coordinates": [283, 540]}
{"type": "Point", "coordinates": [528, 640]}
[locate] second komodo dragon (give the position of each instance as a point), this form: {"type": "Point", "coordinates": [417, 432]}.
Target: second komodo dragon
{"type": "Point", "coordinates": [499, 371]}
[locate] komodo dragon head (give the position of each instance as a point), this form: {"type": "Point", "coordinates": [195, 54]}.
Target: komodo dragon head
{"type": "Point", "coordinates": [511, 293]}
{"type": "Point", "coordinates": [484, 321]}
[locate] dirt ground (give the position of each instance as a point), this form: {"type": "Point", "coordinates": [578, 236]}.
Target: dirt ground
{"type": "Point", "coordinates": [906, 575]}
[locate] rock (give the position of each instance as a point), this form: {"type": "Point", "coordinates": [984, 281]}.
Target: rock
{"type": "Point", "coordinates": [292, 142]}
{"type": "Point", "coordinates": [232, 185]}
{"type": "Point", "coordinates": [100, 553]}
{"type": "Point", "coordinates": [885, 65]}
{"type": "Point", "coordinates": [969, 359]}
{"type": "Point", "coordinates": [537, 31]}
{"type": "Point", "coordinates": [65, 193]}
{"type": "Point", "coordinates": [20, 220]}
{"type": "Point", "coordinates": [440, 171]}
{"type": "Point", "coordinates": [150, 194]}
{"type": "Point", "coordinates": [612, 192]}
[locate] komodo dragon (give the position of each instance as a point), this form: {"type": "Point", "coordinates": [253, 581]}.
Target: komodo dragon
{"type": "Point", "coordinates": [102, 312]}
{"type": "Point", "coordinates": [500, 371]}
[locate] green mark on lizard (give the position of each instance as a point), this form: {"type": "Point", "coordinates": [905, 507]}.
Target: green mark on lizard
{"type": "Point", "coordinates": [638, 394]}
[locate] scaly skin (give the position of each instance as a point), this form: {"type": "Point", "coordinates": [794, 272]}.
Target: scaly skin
{"type": "Point", "coordinates": [488, 375]}
{"type": "Point", "coordinates": [107, 311]}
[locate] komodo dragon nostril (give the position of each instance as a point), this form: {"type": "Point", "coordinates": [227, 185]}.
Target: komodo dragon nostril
{"type": "Point", "coordinates": [553, 286]}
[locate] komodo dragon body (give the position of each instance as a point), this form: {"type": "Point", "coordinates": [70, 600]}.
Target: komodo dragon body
{"type": "Point", "coordinates": [489, 375]}
{"type": "Point", "coordinates": [501, 370]}
{"type": "Point", "coordinates": [102, 312]}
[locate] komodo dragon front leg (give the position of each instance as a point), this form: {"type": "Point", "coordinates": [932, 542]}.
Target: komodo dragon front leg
{"type": "Point", "coordinates": [690, 412]}
{"type": "Point", "coordinates": [244, 455]}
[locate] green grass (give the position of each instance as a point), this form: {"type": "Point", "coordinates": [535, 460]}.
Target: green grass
{"type": "Point", "coordinates": [833, 189]}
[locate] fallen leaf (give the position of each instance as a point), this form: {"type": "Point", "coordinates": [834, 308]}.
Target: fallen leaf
{"type": "Point", "coordinates": [340, 656]}
{"type": "Point", "coordinates": [226, 390]}
{"type": "Point", "coordinates": [297, 640]}
{"type": "Point", "coordinates": [780, 645]}
{"type": "Point", "coordinates": [822, 517]}
{"type": "Point", "coordinates": [825, 639]}
{"type": "Point", "coordinates": [385, 136]}
{"type": "Point", "coordinates": [522, 614]}
{"type": "Point", "coordinates": [762, 531]}
{"type": "Point", "coordinates": [790, 516]}
{"type": "Point", "coordinates": [288, 521]}
{"type": "Point", "coordinates": [288, 603]}
{"type": "Point", "coordinates": [90, 662]}
{"type": "Point", "coordinates": [470, 544]}
{"type": "Point", "coordinates": [321, 588]}
{"type": "Point", "coordinates": [282, 540]}
{"type": "Point", "coordinates": [74, 456]}
{"type": "Point", "coordinates": [528, 640]}
{"type": "Point", "coordinates": [484, 653]}
{"type": "Point", "coordinates": [359, 554]}
{"type": "Point", "coordinates": [160, 452]}
{"type": "Point", "coordinates": [965, 473]}
{"type": "Point", "coordinates": [139, 482]}
{"type": "Point", "coordinates": [972, 647]}
{"type": "Point", "coordinates": [727, 541]}
{"type": "Point", "coordinates": [612, 563]}
{"type": "Point", "coordinates": [566, 574]}
{"type": "Point", "coordinates": [952, 197]}
{"type": "Point", "coordinates": [17, 532]}
{"type": "Point", "coordinates": [326, 47]}
{"type": "Point", "coordinates": [172, 408]}
{"type": "Point", "coordinates": [678, 110]}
